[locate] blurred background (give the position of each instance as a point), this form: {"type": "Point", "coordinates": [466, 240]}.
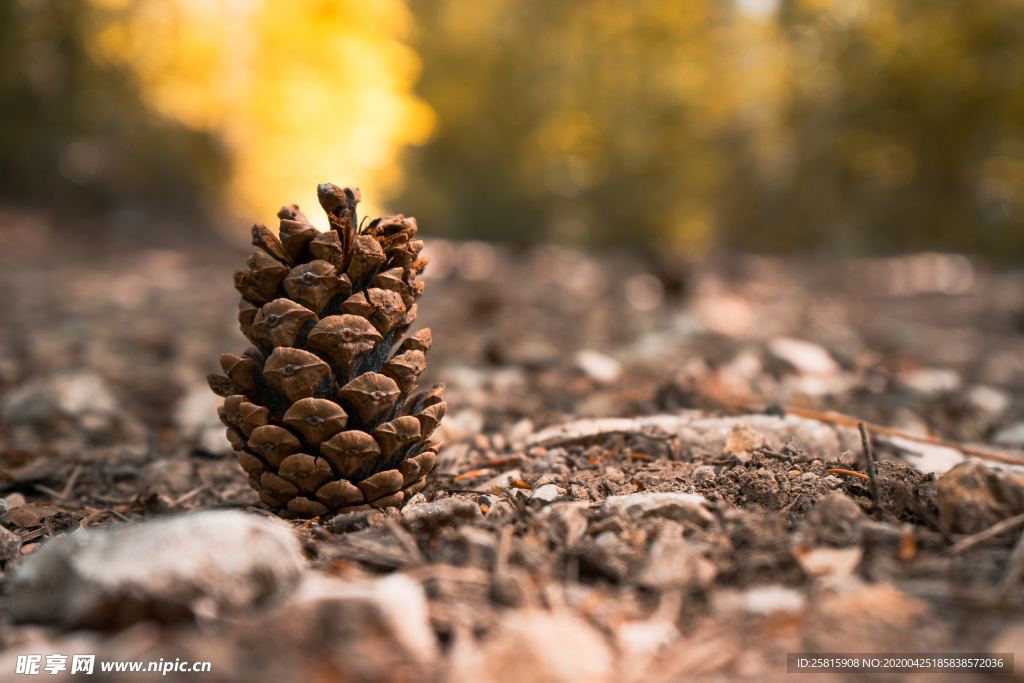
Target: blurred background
{"type": "Point", "coordinates": [821, 126]}
{"type": "Point", "coordinates": [632, 208]}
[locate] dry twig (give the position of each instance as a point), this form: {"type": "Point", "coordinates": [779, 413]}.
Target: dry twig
{"type": "Point", "coordinates": [847, 473]}
{"type": "Point", "coordinates": [1008, 524]}
{"type": "Point", "coordinates": [1014, 568]}
{"type": "Point", "coordinates": [869, 457]}
{"type": "Point", "coordinates": [847, 421]}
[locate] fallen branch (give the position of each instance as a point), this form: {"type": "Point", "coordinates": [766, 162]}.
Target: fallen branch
{"type": "Point", "coordinates": [696, 430]}
{"type": "Point", "coordinates": [1014, 568]}
{"type": "Point", "coordinates": [1008, 524]}
{"type": "Point", "coordinates": [847, 421]}
{"type": "Point", "coordinates": [823, 435]}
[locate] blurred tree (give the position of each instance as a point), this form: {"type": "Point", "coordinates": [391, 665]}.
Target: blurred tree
{"type": "Point", "coordinates": [298, 91]}
{"type": "Point", "coordinates": [77, 137]}
{"type": "Point", "coordinates": [903, 128]}
{"type": "Point", "coordinates": [595, 120]}
{"type": "Point", "coordinates": [761, 124]}
{"type": "Point", "coordinates": [203, 105]}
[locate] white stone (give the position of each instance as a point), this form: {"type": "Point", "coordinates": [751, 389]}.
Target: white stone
{"type": "Point", "coordinates": [83, 396]}
{"type": "Point", "coordinates": [931, 381]}
{"type": "Point", "coordinates": [598, 366]}
{"type": "Point", "coordinates": [460, 425]}
{"type": "Point", "coordinates": [212, 562]}
{"type": "Point", "coordinates": [536, 645]}
{"type": "Point", "coordinates": [503, 480]}
{"type": "Point", "coordinates": [569, 520]}
{"type": "Point", "coordinates": [683, 507]}
{"type": "Point", "coordinates": [675, 563]}
{"type": "Point", "coordinates": [196, 419]}
{"type": "Point", "coordinates": [546, 493]}
{"type": "Point", "coordinates": [767, 600]}
{"type": "Point", "coordinates": [519, 432]}
{"type": "Point", "coordinates": [818, 439]}
{"type": "Point", "coordinates": [1012, 435]}
{"type": "Point", "coordinates": [988, 399]}
{"type": "Point", "coordinates": [807, 357]}
{"type": "Point", "coordinates": [397, 601]}
{"type": "Point", "coordinates": [929, 458]}
{"type": "Point", "coordinates": [830, 562]}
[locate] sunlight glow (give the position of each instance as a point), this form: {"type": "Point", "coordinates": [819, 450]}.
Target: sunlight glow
{"type": "Point", "coordinates": [300, 92]}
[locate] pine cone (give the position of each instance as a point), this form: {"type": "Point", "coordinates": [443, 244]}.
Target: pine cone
{"type": "Point", "coordinates": [323, 409]}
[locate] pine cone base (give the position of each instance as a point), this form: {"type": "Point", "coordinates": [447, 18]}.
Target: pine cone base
{"type": "Point", "coordinates": [323, 410]}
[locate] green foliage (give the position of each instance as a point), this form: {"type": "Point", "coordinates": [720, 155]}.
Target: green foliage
{"type": "Point", "coordinates": [76, 136]}
{"type": "Point", "coordinates": [904, 128]}
{"type": "Point", "coordinates": [581, 121]}
{"type": "Point", "coordinates": [844, 125]}
{"type": "Point", "coordinates": [850, 126]}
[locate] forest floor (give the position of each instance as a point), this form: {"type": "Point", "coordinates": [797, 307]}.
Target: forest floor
{"type": "Point", "coordinates": [651, 471]}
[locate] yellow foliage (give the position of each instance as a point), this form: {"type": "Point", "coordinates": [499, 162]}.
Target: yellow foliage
{"type": "Point", "coordinates": [300, 91]}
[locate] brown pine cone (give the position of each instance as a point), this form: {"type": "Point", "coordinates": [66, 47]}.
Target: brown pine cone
{"type": "Point", "coordinates": [323, 409]}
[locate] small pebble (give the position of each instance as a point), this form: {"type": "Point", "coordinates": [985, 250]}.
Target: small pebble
{"type": "Point", "coordinates": [704, 473]}
{"type": "Point", "coordinates": [546, 493]}
{"type": "Point", "coordinates": [13, 500]}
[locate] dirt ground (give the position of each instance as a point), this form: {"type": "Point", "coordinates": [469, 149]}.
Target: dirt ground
{"type": "Point", "coordinates": [730, 519]}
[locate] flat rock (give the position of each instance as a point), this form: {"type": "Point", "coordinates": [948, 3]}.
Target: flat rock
{"type": "Point", "coordinates": [807, 357]}
{"type": "Point", "coordinates": [79, 397]}
{"type": "Point", "coordinates": [771, 599]}
{"type": "Point", "coordinates": [817, 439]}
{"type": "Point", "coordinates": [533, 645]}
{"type": "Point", "coordinates": [829, 562]}
{"type": "Point", "coordinates": [1012, 435]}
{"type": "Point", "coordinates": [196, 419]}
{"type": "Point", "coordinates": [973, 497]}
{"type": "Point", "coordinates": [743, 441]}
{"type": "Point", "coordinates": [10, 544]}
{"type": "Point", "coordinates": [546, 493]}
{"type": "Point", "coordinates": [440, 513]}
{"type": "Point", "coordinates": [836, 520]}
{"type": "Point", "coordinates": [211, 563]}
{"type": "Point", "coordinates": [674, 563]}
{"type": "Point", "coordinates": [682, 507]}
{"type": "Point", "coordinates": [389, 614]}
{"type": "Point", "coordinates": [568, 521]}
{"type": "Point", "coordinates": [598, 366]}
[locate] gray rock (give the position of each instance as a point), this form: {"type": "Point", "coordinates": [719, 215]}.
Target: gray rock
{"type": "Point", "coordinates": [704, 473]}
{"type": "Point", "coordinates": [10, 544]}
{"type": "Point", "coordinates": [807, 357]}
{"type": "Point", "coordinates": [568, 521]}
{"type": "Point", "coordinates": [203, 563]}
{"type": "Point", "coordinates": [682, 507]}
{"type": "Point", "coordinates": [836, 520]}
{"type": "Point", "coordinates": [772, 599]}
{"type": "Point", "coordinates": [196, 419]}
{"type": "Point", "coordinates": [440, 513]}
{"type": "Point", "coordinates": [80, 397]}
{"type": "Point", "coordinates": [973, 497]}
{"type": "Point", "coordinates": [599, 367]}
{"type": "Point", "coordinates": [1012, 435]}
{"type": "Point", "coordinates": [386, 618]}
{"type": "Point", "coordinates": [534, 645]}
{"type": "Point", "coordinates": [674, 563]}
{"type": "Point", "coordinates": [546, 493]}
{"type": "Point", "coordinates": [503, 480]}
